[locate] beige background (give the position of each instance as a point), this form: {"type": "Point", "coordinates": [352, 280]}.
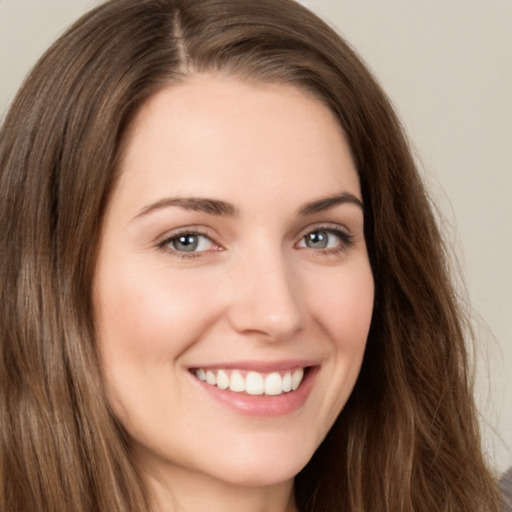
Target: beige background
{"type": "Point", "coordinates": [447, 66]}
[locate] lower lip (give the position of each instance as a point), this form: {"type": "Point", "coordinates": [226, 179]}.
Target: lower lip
{"type": "Point", "coordinates": [264, 406]}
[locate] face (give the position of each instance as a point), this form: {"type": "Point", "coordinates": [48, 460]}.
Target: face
{"type": "Point", "coordinates": [233, 292]}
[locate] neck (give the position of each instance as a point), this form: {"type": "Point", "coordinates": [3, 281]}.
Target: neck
{"type": "Point", "coordinates": [185, 492]}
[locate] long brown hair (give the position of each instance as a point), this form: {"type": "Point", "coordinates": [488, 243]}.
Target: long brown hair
{"type": "Point", "coordinates": [407, 440]}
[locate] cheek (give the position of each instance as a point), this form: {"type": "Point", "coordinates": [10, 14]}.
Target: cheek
{"type": "Point", "coordinates": [150, 313]}
{"type": "Point", "coordinates": [344, 306]}
{"type": "Point", "coordinates": [341, 305]}
{"type": "Point", "coordinates": [144, 321]}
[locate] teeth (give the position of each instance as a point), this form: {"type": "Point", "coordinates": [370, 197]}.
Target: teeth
{"type": "Point", "coordinates": [237, 382]}
{"type": "Point", "coordinates": [273, 384]}
{"type": "Point", "coordinates": [222, 380]}
{"type": "Point", "coordinates": [254, 383]}
{"type": "Point", "coordinates": [297, 376]}
{"type": "Point", "coordinates": [287, 382]}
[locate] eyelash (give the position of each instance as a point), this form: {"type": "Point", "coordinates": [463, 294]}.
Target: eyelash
{"type": "Point", "coordinates": [346, 241]}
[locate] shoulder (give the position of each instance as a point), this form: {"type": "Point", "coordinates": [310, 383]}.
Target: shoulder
{"type": "Point", "coordinates": [506, 490]}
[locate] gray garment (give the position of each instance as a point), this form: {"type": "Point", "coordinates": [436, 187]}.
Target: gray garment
{"type": "Point", "coordinates": [506, 490]}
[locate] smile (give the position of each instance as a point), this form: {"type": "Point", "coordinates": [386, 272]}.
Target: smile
{"type": "Point", "coordinates": [252, 382]}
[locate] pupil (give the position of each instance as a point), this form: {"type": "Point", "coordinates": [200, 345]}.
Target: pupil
{"type": "Point", "coordinates": [317, 239]}
{"type": "Point", "coordinates": [187, 243]}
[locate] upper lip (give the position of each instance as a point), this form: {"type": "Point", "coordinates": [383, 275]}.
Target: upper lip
{"type": "Point", "coordinates": [258, 366]}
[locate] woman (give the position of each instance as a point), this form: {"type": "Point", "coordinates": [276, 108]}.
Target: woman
{"type": "Point", "coordinates": [238, 156]}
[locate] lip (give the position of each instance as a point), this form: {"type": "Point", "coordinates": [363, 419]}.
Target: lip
{"type": "Point", "coordinates": [262, 406]}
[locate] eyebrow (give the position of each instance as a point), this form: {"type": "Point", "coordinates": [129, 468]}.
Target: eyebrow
{"type": "Point", "coordinates": [224, 209]}
{"type": "Point", "coordinates": [198, 204]}
{"type": "Point", "coordinates": [326, 203]}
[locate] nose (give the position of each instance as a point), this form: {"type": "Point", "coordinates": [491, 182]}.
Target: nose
{"type": "Point", "coordinates": [266, 299]}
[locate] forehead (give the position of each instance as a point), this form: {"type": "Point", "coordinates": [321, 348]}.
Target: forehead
{"type": "Point", "coordinates": [221, 135]}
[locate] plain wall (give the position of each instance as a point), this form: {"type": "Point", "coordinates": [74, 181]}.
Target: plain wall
{"type": "Point", "coordinates": [447, 66]}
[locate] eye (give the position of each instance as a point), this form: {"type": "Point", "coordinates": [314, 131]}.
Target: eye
{"type": "Point", "coordinates": [188, 243]}
{"type": "Point", "coordinates": [323, 238]}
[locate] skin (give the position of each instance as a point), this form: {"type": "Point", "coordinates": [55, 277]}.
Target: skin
{"type": "Point", "coordinates": [255, 289]}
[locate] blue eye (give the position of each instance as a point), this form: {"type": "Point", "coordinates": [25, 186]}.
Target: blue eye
{"type": "Point", "coordinates": [188, 242]}
{"type": "Point", "coordinates": [321, 239]}
{"type": "Point", "coordinates": [318, 240]}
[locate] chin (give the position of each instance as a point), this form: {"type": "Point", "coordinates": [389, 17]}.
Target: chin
{"type": "Point", "coordinates": [260, 467]}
